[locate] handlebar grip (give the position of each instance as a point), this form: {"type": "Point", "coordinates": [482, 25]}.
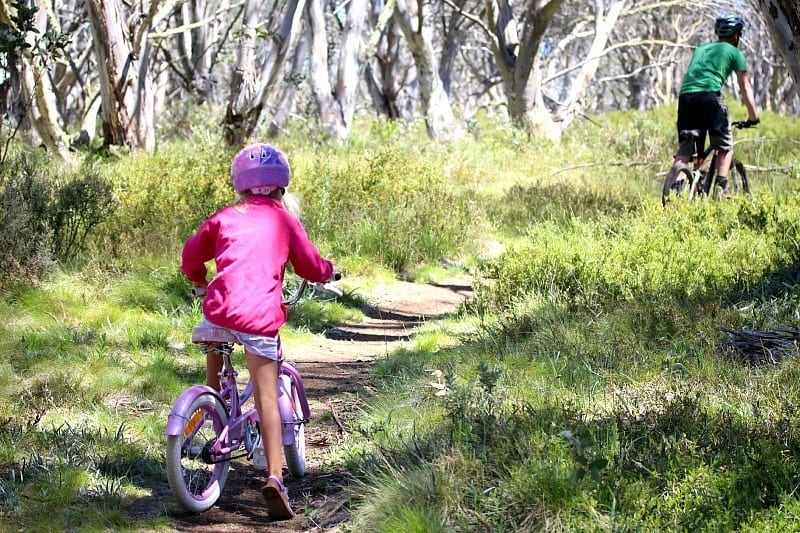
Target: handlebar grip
{"type": "Point", "coordinates": [336, 276]}
{"type": "Point", "coordinates": [741, 124]}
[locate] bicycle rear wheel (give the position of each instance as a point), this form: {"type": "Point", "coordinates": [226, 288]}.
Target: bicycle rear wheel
{"type": "Point", "coordinates": [678, 183]}
{"type": "Point", "coordinates": [295, 452]}
{"type": "Point", "coordinates": [196, 482]}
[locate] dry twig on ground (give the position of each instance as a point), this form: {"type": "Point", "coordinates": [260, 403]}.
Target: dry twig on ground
{"type": "Point", "coordinates": [760, 347]}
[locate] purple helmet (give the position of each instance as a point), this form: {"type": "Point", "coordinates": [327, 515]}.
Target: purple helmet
{"type": "Point", "coordinates": [260, 165]}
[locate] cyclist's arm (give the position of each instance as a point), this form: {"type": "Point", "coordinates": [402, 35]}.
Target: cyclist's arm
{"type": "Point", "coordinates": [746, 88]}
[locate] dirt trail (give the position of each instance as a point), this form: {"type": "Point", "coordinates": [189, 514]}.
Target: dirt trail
{"type": "Point", "coordinates": [335, 369]}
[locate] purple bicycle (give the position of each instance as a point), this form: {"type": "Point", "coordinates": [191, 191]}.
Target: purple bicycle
{"type": "Point", "coordinates": [207, 429]}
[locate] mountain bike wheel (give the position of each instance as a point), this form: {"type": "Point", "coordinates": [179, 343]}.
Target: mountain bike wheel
{"type": "Point", "coordinates": [195, 481]}
{"type": "Point", "coordinates": [737, 180]}
{"type": "Point", "coordinates": [295, 453]}
{"type": "Point", "coordinates": [678, 183]}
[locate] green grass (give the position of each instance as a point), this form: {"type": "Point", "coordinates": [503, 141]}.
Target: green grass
{"type": "Point", "coordinates": [585, 388]}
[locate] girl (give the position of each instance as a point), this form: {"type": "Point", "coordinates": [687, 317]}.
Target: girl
{"type": "Point", "coordinates": [251, 242]}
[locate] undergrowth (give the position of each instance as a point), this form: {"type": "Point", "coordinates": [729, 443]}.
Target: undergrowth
{"type": "Point", "coordinates": [583, 389]}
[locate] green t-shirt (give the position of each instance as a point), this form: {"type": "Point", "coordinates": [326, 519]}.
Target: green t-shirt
{"type": "Point", "coordinates": [711, 65]}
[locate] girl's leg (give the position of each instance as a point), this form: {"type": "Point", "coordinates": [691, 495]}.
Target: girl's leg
{"type": "Point", "coordinates": [213, 368]}
{"type": "Point", "coordinates": [264, 375]}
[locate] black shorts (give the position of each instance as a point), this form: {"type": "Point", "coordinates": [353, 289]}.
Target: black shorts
{"type": "Point", "coordinates": [708, 113]}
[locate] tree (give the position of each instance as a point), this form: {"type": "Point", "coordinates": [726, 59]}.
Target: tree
{"type": "Point", "coordinates": [249, 91]}
{"type": "Point", "coordinates": [29, 46]}
{"type": "Point", "coordinates": [783, 19]}
{"type": "Point", "coordinates": [122, 58]}
{"type": "Point", "coordinates": [434, 101]}
{"type": "Point", "coordinates": [516, 51]}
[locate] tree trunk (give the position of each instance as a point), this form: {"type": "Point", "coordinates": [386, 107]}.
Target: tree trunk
{"type": "Point", "coordinates": [435, 103]}
{"type": "Point", "coordinates": [125, 88]}
{"type": "Point", "coordinates": [350, 62]}
{"type": "Point", "coordinates": [39, 95]}
{"type": "Point", "coordinates": [330, 114]}
{"type": "Point", "coordinates": [519, 65]}
{"type": "Point", "coordinates": [250, 93]}
{"type": "Point", "coordinates": [604, 23]}
{"type": "Point", "coordinates": [280, 112]}
{"type": "Point", "coordinates": [783, 18]}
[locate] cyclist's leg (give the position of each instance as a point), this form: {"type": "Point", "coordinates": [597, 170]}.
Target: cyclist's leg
{"type": "Point", "coordinates": [685, 121]}
{"type": "Point", "coordinates": [213, 367]}
{"type": "Point", "coordinates": [721, 137]}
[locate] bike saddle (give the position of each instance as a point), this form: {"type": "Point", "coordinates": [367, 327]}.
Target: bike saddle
{"type": "Point", "coordinates": [689, 134]}
{"type": "Point", "coordinates": [208, 333]}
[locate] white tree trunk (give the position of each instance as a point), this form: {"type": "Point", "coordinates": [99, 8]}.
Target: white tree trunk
{"type": "Point", "coordinates": [349, 72]}
{"type": "Point", "coordinates": [783, 18]}
{"type": "Point", "coordinates": [602, 29]}
{"type": "Point", "coordinates": [519, 65]}
{"type": "Point", "coordinates": [250, 92]}
{"type": "Point", "coordinates": [435, 103]}
{"type": "Point", "coordinates": [125, 88]}
{"type": "Point", "coordinates": [38, 92]}
{"type": "Point", "coordinates": [330, 114]}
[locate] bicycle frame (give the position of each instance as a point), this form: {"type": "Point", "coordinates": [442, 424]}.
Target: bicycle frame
{"type": "Point", "coordinates": [696, 176]}
{"type": "Point", "coordinates": [233, 399]}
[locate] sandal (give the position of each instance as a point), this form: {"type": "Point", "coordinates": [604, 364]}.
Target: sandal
{"type": "Point", "coordinates": [277, 498]}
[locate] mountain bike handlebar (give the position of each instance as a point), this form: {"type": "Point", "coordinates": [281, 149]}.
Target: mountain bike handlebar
{"type": "Point", "coordinates": [741, 124]}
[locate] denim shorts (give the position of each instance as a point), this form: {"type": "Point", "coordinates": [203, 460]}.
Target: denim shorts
{"type": "Point", "coordinates": [263, 346]}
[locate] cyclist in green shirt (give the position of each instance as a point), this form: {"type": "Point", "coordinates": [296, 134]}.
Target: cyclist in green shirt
{"type": "Point", "coordinates": [701, 105]}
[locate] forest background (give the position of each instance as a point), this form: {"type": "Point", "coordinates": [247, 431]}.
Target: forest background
{"type": "Point", "coordinates": [592, 383]}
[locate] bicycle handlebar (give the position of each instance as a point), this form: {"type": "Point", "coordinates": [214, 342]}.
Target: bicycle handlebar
{"type": "Point", "coordinates": [743, 124]}
{"type": "Point", "coordinates": [200, 292]}
{"type": "Point", "coordinates": [329, 286]}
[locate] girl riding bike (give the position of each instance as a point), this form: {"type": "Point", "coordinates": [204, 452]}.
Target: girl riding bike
{"type": "Point", "coordinates": [251, 241]}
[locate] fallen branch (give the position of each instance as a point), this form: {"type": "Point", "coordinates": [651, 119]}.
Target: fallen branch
{"type": "Point", "coordinates": [760, 347]}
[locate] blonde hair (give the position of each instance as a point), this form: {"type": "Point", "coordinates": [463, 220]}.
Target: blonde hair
{"type": "Point", "coordinates": [289, 201]}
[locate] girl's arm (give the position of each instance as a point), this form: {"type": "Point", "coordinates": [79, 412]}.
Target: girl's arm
{"type": "Point", "coordinates": [305, 258]}
{"type": "Point", "coordinates": [197, 250]}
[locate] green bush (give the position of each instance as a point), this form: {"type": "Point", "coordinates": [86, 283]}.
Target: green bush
{"type": "Point", "coordinates": [386, 206]}
{"type": "Point", "coordinates": [48, 212]}
{"type": "Point", "coordinates": [692, 252]}
{"type": "Point", "coordinates": [164, 197]}
{"type": "Point", "coordinates": [26, 239]}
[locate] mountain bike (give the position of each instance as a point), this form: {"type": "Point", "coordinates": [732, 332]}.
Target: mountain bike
{"type": "Point", "coordinates": [697, 179]}
{"type": "Point", "coordinates": [207, 429]}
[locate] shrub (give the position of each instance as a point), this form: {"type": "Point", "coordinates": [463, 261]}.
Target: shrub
{"type": "Point", "coordinates": [26, 239]}
{"type": "Point", "coordinates": [47, 214]}
{"type": "Point", "coordinates": [387, 206]}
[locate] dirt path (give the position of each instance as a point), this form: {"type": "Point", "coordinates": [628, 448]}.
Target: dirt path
{"type": "Point", "coordinates": [336, 372]}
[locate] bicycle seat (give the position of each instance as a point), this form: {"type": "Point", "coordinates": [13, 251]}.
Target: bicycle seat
{"type": "Point", "coordinates": [689, 134]}
{"type": "Point", "coordinates": [209, 333]}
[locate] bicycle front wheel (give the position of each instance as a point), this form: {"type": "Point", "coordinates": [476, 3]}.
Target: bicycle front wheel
{"type": "Point", "coordinates": [195, 479]}
{"type": "Point", "coordinates": [678, 183]}
{"type": "Point", "coordinates": [295, 452]}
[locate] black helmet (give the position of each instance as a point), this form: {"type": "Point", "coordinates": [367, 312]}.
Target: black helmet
{"type": "Point", "coordinates": [727, 26]}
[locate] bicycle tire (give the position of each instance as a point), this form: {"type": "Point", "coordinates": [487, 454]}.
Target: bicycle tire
{"type": "Point", "coordinates": [738, 178]}
{"type": "Point", "coordinates": [195, 482]}
{"type": "Point", "coordinates": [294, 453]}
{"type": "Point", "coordinates": [678, 183]}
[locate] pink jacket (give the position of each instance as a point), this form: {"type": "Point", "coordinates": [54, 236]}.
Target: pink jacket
{"type": "Point", "coordinates": [251, 243]}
